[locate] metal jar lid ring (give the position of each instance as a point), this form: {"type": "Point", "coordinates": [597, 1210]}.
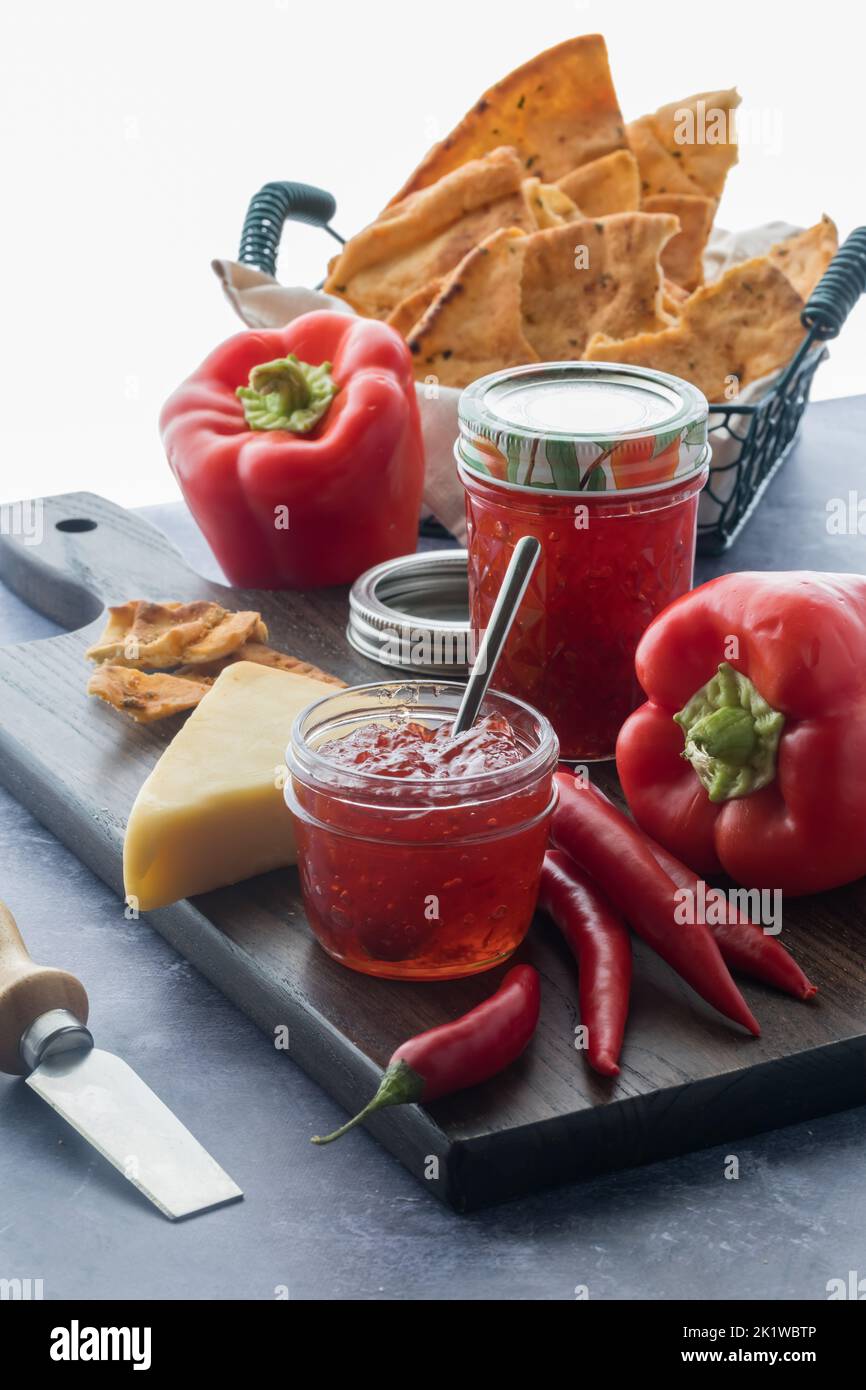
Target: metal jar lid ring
{"type": "Point", "coordinates": [412, 614]}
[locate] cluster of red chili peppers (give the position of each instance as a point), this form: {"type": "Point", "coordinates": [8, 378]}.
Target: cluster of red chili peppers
{"type": "Point", "coordinates": [602, 873]}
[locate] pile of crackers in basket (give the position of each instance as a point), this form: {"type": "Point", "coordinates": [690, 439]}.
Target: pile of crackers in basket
{"type": "Point", "coordinates": [545, 228]}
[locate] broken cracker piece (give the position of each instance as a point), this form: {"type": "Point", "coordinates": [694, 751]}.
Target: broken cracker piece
{"type": "Point", "coordinates": [144, 697]}
{"type": "Point", "coordinates": [683, 257]}
{"type": "Point", "coordinates": [740, 328]}
{"type": "Point", "coordinates": [699, 134]}
{"type": "Point", "coordinates": [474, 324]}
{"type": "Point", "coordinates": [413, 308]}
{"type": "Point", "coordinates": [262, 656]}
{"type": "Point", "coordinates": [595, 276]}
{"type": "Point", "coordinates": [423, 238]}
{"type": "Point", "coordinates": [152, 636]}
{"type": "Point", "coordinates": [549, 204]}
{"type": "Point", "coordinates": [805, 256]}
{"type": "Point", "coordinates": [605, 185]}
{"type": "Point", "coordinates": [660, 171]}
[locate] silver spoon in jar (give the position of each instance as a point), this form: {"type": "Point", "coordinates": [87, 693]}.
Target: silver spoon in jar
{"type": "Point", "coordinates": [508, 600]}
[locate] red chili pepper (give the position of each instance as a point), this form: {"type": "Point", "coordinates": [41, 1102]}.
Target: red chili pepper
{"type": "Point", "coordinates": [743, 944]}
{"type": "Point", "coordinates": [464, 1053]}
{"type": "Point", "coordinates": [599, 940]}
{"type": "Point", "coordinates": [615, 853]}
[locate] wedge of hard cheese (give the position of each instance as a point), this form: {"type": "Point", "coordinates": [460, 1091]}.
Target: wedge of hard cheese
{"type": "Point", "coordinates": [212, 810]}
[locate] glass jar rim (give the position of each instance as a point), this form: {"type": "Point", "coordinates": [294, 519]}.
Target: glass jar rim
{"type": "Point", "coordinates": [302, 758]}
{"type": "Point", "coordinates": [690, 403]}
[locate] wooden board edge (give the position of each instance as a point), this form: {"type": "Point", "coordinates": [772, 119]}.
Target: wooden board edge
{"type": "Point", "coordinates": [733, 1107]}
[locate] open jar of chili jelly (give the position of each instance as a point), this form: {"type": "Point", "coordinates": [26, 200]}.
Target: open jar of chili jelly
{"type": "Point", "coordinates": [419, 853]}
{"type": "Point", "coordinates": [603, 464]}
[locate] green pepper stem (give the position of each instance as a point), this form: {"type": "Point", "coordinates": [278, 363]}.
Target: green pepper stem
{"type": "Point", "coordinates": [399, 1086]}
{"type": "Point", "coordinates": [727, 734]}
{"type": "Point", "coordinates": [287, 395]}
{"type": "Point", "coordinates": [731, 735]}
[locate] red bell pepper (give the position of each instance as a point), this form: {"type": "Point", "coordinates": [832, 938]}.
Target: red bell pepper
{"type": "Point", "coordinates": [299, 451]}
{"type": "Point", "coordinates": [750, 753]}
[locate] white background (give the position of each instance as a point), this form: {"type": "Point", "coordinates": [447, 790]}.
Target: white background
{"type": "Point", "coordinates": [133, 135]}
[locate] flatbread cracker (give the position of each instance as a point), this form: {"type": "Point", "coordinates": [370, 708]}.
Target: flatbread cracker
{"type": "Point", "coordinates": [427, 235]}
{"type": "Point", "coordinates": [474, 325]}
{"type": "Point", "coordinates": [413, 308]}
{"type": "Point", "coordinates": [262, 656]}
{"type": "Point", "coordinates": [673, 299]}
{"type": "Point", "coordinates": [558, 111]}
{"type": "Point", "coordinates": [660, 171]}
{"type": "Point", "coordinates": [146, 697]}
{"type": "Point", "coordinates": [804, 257]}
{"type": "Point", "coordinates": [606, 185]}
{"type": "Point", "coordinates": [152, 636]}
{"type": "Point", "coordinates": [743, 326]}
{"type": "Point", "coordinates": [198, 639]}
{"type": "Point", "coordinates": [549, 205]}
{"type": "Point", "coordinates": [683, 256]}
{"type": "Point", "coordinates": [593, 276]}
{"type": "Point", "coordinates": [699, 133]}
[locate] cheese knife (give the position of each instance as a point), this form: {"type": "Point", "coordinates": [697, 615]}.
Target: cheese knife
{"type": "Point", "coordinates": [43, 1013]}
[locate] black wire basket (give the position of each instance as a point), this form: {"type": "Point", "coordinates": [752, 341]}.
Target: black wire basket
{"type": "Point", "coordinates": [764, 431]}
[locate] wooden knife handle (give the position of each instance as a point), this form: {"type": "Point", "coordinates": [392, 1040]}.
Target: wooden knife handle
{"type": "Point", "coordinates": [27, 991]}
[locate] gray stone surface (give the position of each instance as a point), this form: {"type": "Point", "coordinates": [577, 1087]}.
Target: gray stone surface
{"type": "Point", "coordinates": [349, 1222]}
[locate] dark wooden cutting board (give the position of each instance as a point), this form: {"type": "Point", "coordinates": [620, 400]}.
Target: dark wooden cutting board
{"type": "Point", "coordinates": [688, 1079]}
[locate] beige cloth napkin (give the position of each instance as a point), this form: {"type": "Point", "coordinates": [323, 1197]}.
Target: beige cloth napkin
{"type": "Point", "coordinates": [260, 302]}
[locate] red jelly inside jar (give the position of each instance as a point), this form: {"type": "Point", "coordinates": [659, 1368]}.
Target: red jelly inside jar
{"type": "Point", "coordinates": [604, 466]}
{"type": "Point", "coordinates": [419, 852]}
{"type": "Point", "coordinates": [409, 749]}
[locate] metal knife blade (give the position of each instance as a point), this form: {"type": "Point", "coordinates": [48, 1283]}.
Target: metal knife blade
{"type": "Point", "coordinates": [106, 1102]}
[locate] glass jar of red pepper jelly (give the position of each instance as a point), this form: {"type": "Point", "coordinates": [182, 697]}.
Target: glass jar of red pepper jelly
{"type": "Point", "coordinates": [603, 464]}
{"type": "Point", "coordinates": [419, 852]}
